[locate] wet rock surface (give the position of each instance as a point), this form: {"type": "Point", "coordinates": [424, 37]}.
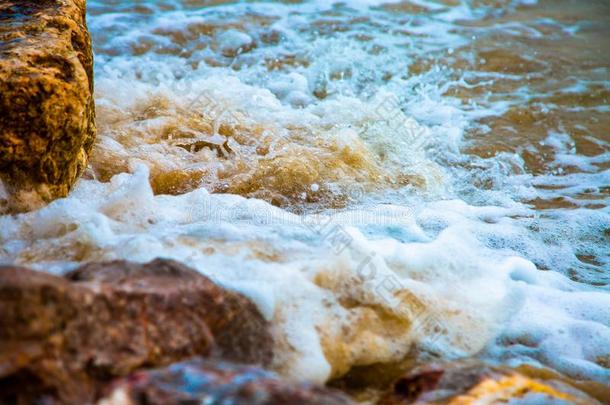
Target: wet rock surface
{"type": "Point", "coordinates": [47, 114]}
{"type": "Point", "coordinates": [474, 382]}
{"type": "Point", "coordinates": [63, 339]}
{"type": "Point", "coordinates": [204, 381]}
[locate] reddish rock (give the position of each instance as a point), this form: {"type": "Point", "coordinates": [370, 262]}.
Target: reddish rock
{"type": "Point", "coordinates": [64, 338]}
{"type": "Point", "coordinates": [47, 112]}
{"type": "Point", "coordinates": [206, 381]}
{"type": "Point", "coordinates": [471, 382]}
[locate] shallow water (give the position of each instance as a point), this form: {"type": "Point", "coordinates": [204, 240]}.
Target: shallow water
{"type": "Point", "coordinates": [386, 180]}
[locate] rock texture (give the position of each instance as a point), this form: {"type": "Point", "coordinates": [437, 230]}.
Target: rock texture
{"type": "Point", "coordinates": [471, 382]}
{"type": "Point", "coordinates": [63, 339]}
{"type": "Point", "coordinates": [47, 116]}
{"type": "Point", "coordinates": [208, 382]}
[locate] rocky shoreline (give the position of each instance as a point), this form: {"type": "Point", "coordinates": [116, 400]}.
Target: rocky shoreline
{"type": "Point", "coordinates": [72, 334]}
{"type": "Point", "coordinates": [127, 333]}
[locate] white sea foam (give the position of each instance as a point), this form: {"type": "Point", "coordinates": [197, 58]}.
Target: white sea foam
{"type": "Point", "coordinates": [436, 252]}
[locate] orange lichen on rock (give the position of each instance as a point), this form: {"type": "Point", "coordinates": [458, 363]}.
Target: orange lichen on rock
{"type": "Point", "coordinates": [505, 388]}
{"type": "Point", "coordinates": [47, 114]}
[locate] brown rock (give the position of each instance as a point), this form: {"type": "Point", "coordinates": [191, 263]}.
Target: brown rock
{"type": "Point", "coordinates": [206, 381]}
{"type": "Point", "coordinates": [64, 338]}
{"type": "Point", "coordinates": [474, 382]}
{"type": "Point", "coordinates": [47, 115]}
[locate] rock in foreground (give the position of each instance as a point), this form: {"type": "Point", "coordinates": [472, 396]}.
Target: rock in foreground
{"type": "Point", "coordinates": [471, 382]}
{"type": "Point", "coordinates": [47, 116]}
{"type": "Point", "coordinates": [208, 382]}
{"type": "Point", "coordinates": [63, 339]}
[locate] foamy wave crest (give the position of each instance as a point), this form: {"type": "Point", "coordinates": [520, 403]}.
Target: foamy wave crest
{"type": "Point", "coordinates": [352, 288]}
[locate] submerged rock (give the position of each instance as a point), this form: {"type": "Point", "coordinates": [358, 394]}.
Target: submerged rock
{"type": "Point", "coordinates": [474, 382]}
{"type": "Point", "coordinates": [210, 382]}
{"type": "Point", "coordinates": [63, 339]}
{"type": "Point", "coordinates": [47, 115]}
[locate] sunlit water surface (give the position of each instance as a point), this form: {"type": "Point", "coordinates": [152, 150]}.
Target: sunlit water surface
{"type": "Point", "coordinates": [386, 180]}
